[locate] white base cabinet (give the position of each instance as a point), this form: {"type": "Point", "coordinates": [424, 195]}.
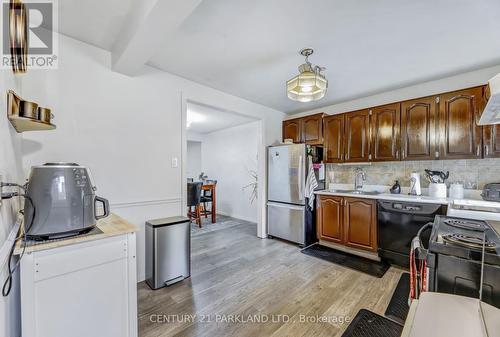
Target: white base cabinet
{"type": "Point", "coordinates": [85, 289]}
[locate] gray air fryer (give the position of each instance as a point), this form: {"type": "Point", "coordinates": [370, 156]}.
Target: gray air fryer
{"type": "Point", "coordinates": [64, 200]}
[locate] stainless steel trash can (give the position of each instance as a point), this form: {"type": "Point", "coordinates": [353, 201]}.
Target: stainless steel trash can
{"type": "Point", "coordinates": [168, 251]}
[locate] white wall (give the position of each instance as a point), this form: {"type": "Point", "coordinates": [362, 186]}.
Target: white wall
{"type": "Point", "coordinates": [470, 79]}
{"type": "Point", "coordinates": [193, 160]}
{"type": "Point", "coordinates": [126, 129]}
{"type": "Point", "coordinates": [227, 156]}
{"type": "Point", "coordinates": [11, 170]}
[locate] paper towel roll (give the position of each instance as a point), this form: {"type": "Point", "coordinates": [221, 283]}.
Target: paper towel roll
{"type": "Point", "coordinates": [415, 183]}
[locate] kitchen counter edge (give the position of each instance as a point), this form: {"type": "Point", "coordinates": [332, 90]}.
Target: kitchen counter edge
{"type": "Point", "coordinates": [112, 225]}
{"type": "Point", "coordinates": [390, 197]}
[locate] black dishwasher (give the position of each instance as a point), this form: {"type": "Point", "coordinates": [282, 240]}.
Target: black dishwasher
{"type": "Point", "coordinates": [398, 224]}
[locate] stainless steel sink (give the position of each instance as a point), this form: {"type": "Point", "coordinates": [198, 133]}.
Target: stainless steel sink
{"type": "Point", "coordinates": [357, 192]}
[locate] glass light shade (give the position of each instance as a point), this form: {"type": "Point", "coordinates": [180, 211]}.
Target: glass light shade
{"type": "Point", "coordinates": [307, 86]}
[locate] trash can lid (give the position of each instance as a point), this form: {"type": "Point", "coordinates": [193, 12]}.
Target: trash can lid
{"type": "Point", "coordinates": [167, 221]}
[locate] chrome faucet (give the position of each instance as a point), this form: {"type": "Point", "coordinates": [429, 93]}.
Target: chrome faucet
{"type": "Point", "coordinates": [359, 177]}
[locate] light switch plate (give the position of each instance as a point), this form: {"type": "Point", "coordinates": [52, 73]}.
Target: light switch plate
{"type": "Point", "coordinates": [175, 162]}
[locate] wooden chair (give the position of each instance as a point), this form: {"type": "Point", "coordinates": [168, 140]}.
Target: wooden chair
{"type": "Point", "coordinates": [207, 197]}
{"type": "Point", "coordinates": [193, 200]}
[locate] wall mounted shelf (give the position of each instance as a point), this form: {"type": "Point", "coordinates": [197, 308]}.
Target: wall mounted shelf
{"type": "Point", "coordinates": [20, 123]}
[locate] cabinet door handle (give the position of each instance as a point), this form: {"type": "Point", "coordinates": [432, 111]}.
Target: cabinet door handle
{"type": "Point", "coordinates": [397, 153]}
{"type": "Point", "coordinates": [486, 150]}
{"type": "Point", "coordinates": [478, 151]}
{"type": "Point", "coordinates": [403, 153]}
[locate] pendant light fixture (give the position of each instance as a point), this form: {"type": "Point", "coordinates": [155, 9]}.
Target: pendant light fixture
{"type": "Point", "coordinates": [310, 84]}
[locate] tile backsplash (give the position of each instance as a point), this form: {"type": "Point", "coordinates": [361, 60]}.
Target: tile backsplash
{"type": "Point", "coordinates": [474, 173]}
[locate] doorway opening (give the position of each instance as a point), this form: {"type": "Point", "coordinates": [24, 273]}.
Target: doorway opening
{"type": "Point", "coordinates": [222, 153]}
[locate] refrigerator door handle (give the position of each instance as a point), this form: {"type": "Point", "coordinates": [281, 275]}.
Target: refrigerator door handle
{"type": "Point", "coordinates": [288, 206]}
{"type": "Point", "coordinates": [301, 179]}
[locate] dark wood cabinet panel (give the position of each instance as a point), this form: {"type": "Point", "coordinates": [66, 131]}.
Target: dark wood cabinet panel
{"type": "Point", "coordinates": [292, 130]}
{"type": "Point", "coordinates": [356, 136]}
{"type": "Point", "coordinates": [360, 224]}
{"type": "Point", "coordinates": [312, 129]}
{"type": "Point", "coordinates": [459, 135]}
{"type": "Point", "coordinates": [418, 129]}
{"type": "Point", "coordinates": [330, 220]}
{"type": "Point", "coordinates": [385, 132]}
{"type": "Point", "coordinates": [435, 127]}
{"type": "Point", "coordinates": [491, 139]}
{"type": "Point", "coordinates": [333, 146]}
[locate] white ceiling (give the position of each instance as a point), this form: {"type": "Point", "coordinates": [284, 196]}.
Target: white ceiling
{"type": "Point", "coordinates": [250, 48]}
{"type": "Point", "coordinates": [97, 22]}
{"type": "Point", "coordinates": [205, 119]}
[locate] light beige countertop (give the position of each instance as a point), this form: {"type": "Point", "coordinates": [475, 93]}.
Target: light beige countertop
{"type": "Point", "coordinates": [112, 225]}
{"type": "Point", "coordinates": [446, 315]}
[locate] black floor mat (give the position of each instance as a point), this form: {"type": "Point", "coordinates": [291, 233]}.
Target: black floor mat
{"type": "Point", "coordinates": [369, 324]}
{"type": "Point", "coordinates": [355, 262]}
{"type": "Point", "coordinates": [398, 306]}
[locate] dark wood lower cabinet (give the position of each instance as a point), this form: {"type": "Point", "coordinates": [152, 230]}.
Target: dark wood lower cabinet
{"type": "Point", "coordinates": [330, 219]}
{"type": "Point", "coordinates": [348, 221]}
{"type": "Point", "coordinates": [360, 223]}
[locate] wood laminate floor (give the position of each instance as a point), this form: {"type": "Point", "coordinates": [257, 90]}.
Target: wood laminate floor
{"type": "Point", "coordinates": [238, 279]}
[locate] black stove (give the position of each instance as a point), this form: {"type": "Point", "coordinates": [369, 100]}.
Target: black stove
{"type": "Point", "coordinates": [463, 238]}
{"type": "Point", "coordinates": [455, 255]}
{"type": "Point", "coordinates": [465, 224]}
{"type": "Point", "coordinates": [468, 241]}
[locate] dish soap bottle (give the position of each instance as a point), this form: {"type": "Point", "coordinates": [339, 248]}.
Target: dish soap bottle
{"type": "Point", "coordinates": [396, 188]}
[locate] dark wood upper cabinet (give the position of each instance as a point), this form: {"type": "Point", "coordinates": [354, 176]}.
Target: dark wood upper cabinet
{"type": "Point", "coordinates": [491, 139]}
{"type": "Point", "coordinates": [385, 132]}
{"type": "Point", "coordinates": [459, 135]}
{"type": "Point", "coordinates": [418, 129]}
{"type": "Point", "coordinates": [435, 127]}
{"type": "Point", "coordinates": [292, 129]}
{"type": "Point", "coordinates": [330, 218]}
{"type": "Point", "coordinates": [360, 223]}
{"type": "Point", "coordinates": [357, 136]}
{"type": "Point", "coordinates": [312, 129]}
{"type": "Point", "coordinates": [333, 145]}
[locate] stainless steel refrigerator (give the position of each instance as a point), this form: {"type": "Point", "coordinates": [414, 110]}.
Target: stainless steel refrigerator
{"type": "Point", "coordinates": [287, 215]}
